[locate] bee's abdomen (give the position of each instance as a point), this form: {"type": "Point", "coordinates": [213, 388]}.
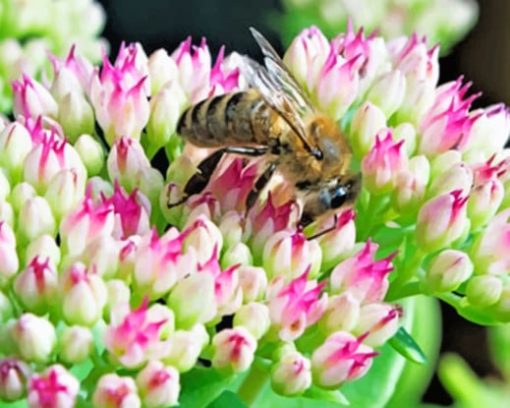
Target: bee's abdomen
{"type": "Point", "coordinates": [239, 118]}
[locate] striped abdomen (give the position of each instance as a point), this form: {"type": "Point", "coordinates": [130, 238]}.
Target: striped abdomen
{"type": "Point", "coordinates": [240, 118]}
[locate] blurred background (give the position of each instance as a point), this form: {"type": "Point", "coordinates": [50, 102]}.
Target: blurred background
{"type": "Point", "coordinates": [482, 56]}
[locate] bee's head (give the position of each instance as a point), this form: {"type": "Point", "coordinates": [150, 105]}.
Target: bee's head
{"type": "Point", "coordinates": [335, 153]}
{"type": "Point", "coordinates": [330, 197]}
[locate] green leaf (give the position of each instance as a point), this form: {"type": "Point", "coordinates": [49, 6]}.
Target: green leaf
{"type": "Point", "coordinates": [405, 345]}
{"type": "Point", "coordinates": [269, 398]}
{"type": "Point", "coordinates": [415, 378]}
{"type": "Point", "coordinates": [201, 386]}
{"type": "Point", "coordinates": [335, 396]}
{"type": "Point", "coordinates": [227, 399]}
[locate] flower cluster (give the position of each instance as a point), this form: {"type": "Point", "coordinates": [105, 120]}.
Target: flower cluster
{"type": "Point", "coordinates": [442, 21]}
{"type": "Point", "coordinates": [95, 267]}
{"type": "Point", "coordinates": [29, 32]}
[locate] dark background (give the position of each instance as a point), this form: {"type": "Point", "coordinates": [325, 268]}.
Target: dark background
{"type": "Point", "coordinates": [483, 57]}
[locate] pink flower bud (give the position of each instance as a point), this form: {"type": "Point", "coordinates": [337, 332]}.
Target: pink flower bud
{"type": "Point", "coordinates": [13, 379]}
{"type": "Point", "coordinates": [254, 317]}
{"type": "Point", "coordinates": [15, 144]}
{"type": "Point", "coordinates": [448, 271]}
{"type": "Point", "coordinates": [83, 295]}
{"type": "Point", "coordinates": [126, 161]}
{"type": "Point", "coordinates": [377, 323]}
{"type": "Point", "coordinates": [419, 97]}
{"type": "Point", "coordinates": [410, 186]}
{"type": "Point", "coordinates": [291, 375]}
{"type": "Point", "coordinates": [227, 290]}
{"type": "Point", "coordinates": [131, 212]}
{"type": "Point", "coordinates": [203, 205]}
{"type": "Point", "coordinates": [113, 391]}
{"type": "Point", "coordinates": [485, 198]}
{"type": "Point", "coordinates": [441, 221]}
{"type": "Point", "coordinates": [253, 282]}
{"type": "Point", "coordinates": [239, 254]}
{"type": "Point", "coordinates": [224, 77]}
{"type": "Point", "coordinates": [34, 337]}
{"type": "Point", "coordinates": [388, 92]}
{"type": "Point", "coordinates": [337, 244]}
{"type": "Point", "coordinates": [75, 344]}
{"type": "Point", "coordinates": [290, 254]}
{"type": "Point", "coordinates": [162, 70]}
{"type": "Point", "coordinates": [367, 122]}
{"type": "Point", "coordinates": [159, 385]}
{"type": "Point", "coordinates": [267, 219]}
{"type": "Point", "coordinates": [204, 237]}
{"type": "Point", "coordinates": [234, 349]}
{"type": "Point", "coordinates": [232, 185]}
{"type": "Point", "coordinates": [9, 262]}
{"type": "Point", "coordinates": [37, 219]}
{"type": "Point", "coordinates": [362, 276]}
{"type": "Point", "coordinates": [184, 347]}
{"type": "Point", "coordinates": [135, 337]}
{"type": "Point", "coordinates": [118, 95]}
{"type": "Point", "coordinates": [484, 290]}
{"type": "Point", "coordinates": [127, 256]}
{"type": "Point", "coordinates": [160, 263]}
{"type": "Point", "coordinates": [489, 132]}
{"type": "Point", "coordinates": [457, 177]}
{"type": "Point", "coordinates": [342, 314]}
{"type": "Point", "coordinates": [295, 306]}
{"type": "Point", "coordinates": [338, 83]}
{"type": "Point", "coordinates": [417, 62]}
{"type": "Point", "coordinates": [72, 73]}
{"type": "Point", "coordinates": [37, 286]}
{"type": "Point", "coordinates": [56, 387]}
{"type": "Point", "coordinates": [489, 251]}
{"type": "Point", "coordinates": [31, 99]}
{"type": "Point", "coordinates": [102, 255]}
{"type": "Point", "coordinates": [342, 357]}
{"type": "Point", "coordinates": [447, 124]}
{"type": "Point", "coordinates": [444, 162]}
{"type": "Point", "coordinates": [86, 223]}
{"type": "Point", "coordinates": [194, 69]}
{"type": "Point", "coordinates": [65, 190]}
{"type": "Point", "coordinates": [48, 158]}
{"type": "Point", "coordinates": [306, 55]}
{"type": "Point", "coordinates": [383, 164]}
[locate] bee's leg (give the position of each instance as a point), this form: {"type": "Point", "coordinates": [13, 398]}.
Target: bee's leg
{"type": "Point", "coordinates": [259, 186]}
{"type": "Point", "coordinates": [326, 230]}
{"type": "Point", "coordinates": [198, 182]}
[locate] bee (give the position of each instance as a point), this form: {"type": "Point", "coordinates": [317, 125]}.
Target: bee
{"type": "Point", "coordinates": [274, 118]}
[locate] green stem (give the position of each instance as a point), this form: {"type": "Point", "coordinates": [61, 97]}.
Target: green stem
{"type": "Point", "coordinates": [407, 290]}
{"type": "Point", "coordinates": [253, 383]}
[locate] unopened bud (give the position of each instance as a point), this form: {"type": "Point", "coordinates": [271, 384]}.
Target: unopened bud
{"type": "Point", "coordinates": [234, 350]}
{"type": "Point", "coordinates": [254, 317]}
{"type": "Point", "coordinates": [448, 271]}
{"type": "Point", "coordinates": [75, 344]}
{"type": "Point", "coordinates": [91, 153]}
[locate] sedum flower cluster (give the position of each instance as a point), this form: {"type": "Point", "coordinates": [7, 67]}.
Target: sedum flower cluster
{"type": "Point", "coordinates": [110, 298]}
{"type": "Point", "coordinates": [442, 21]}
{"type": "Point", "coordinates": [29, 32]}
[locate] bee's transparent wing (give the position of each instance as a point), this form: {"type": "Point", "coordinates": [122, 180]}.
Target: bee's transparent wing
{"type": "Point", "coordinates": [279, 89]}
{"type": "Point", "coordinates": [282, 76]}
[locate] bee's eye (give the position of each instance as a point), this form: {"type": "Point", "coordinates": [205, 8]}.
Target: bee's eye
{"type": "Point", "coordinates": [338, 197]}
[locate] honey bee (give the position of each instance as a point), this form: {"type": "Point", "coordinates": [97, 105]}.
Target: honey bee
{"type": "Point", "coordinates": [276, 119]}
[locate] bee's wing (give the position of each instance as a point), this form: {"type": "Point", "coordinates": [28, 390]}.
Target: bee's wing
{"type": "Point", "coordinates": [281, 74]}
{"type": "Point", "coordinates": [279, 88]}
